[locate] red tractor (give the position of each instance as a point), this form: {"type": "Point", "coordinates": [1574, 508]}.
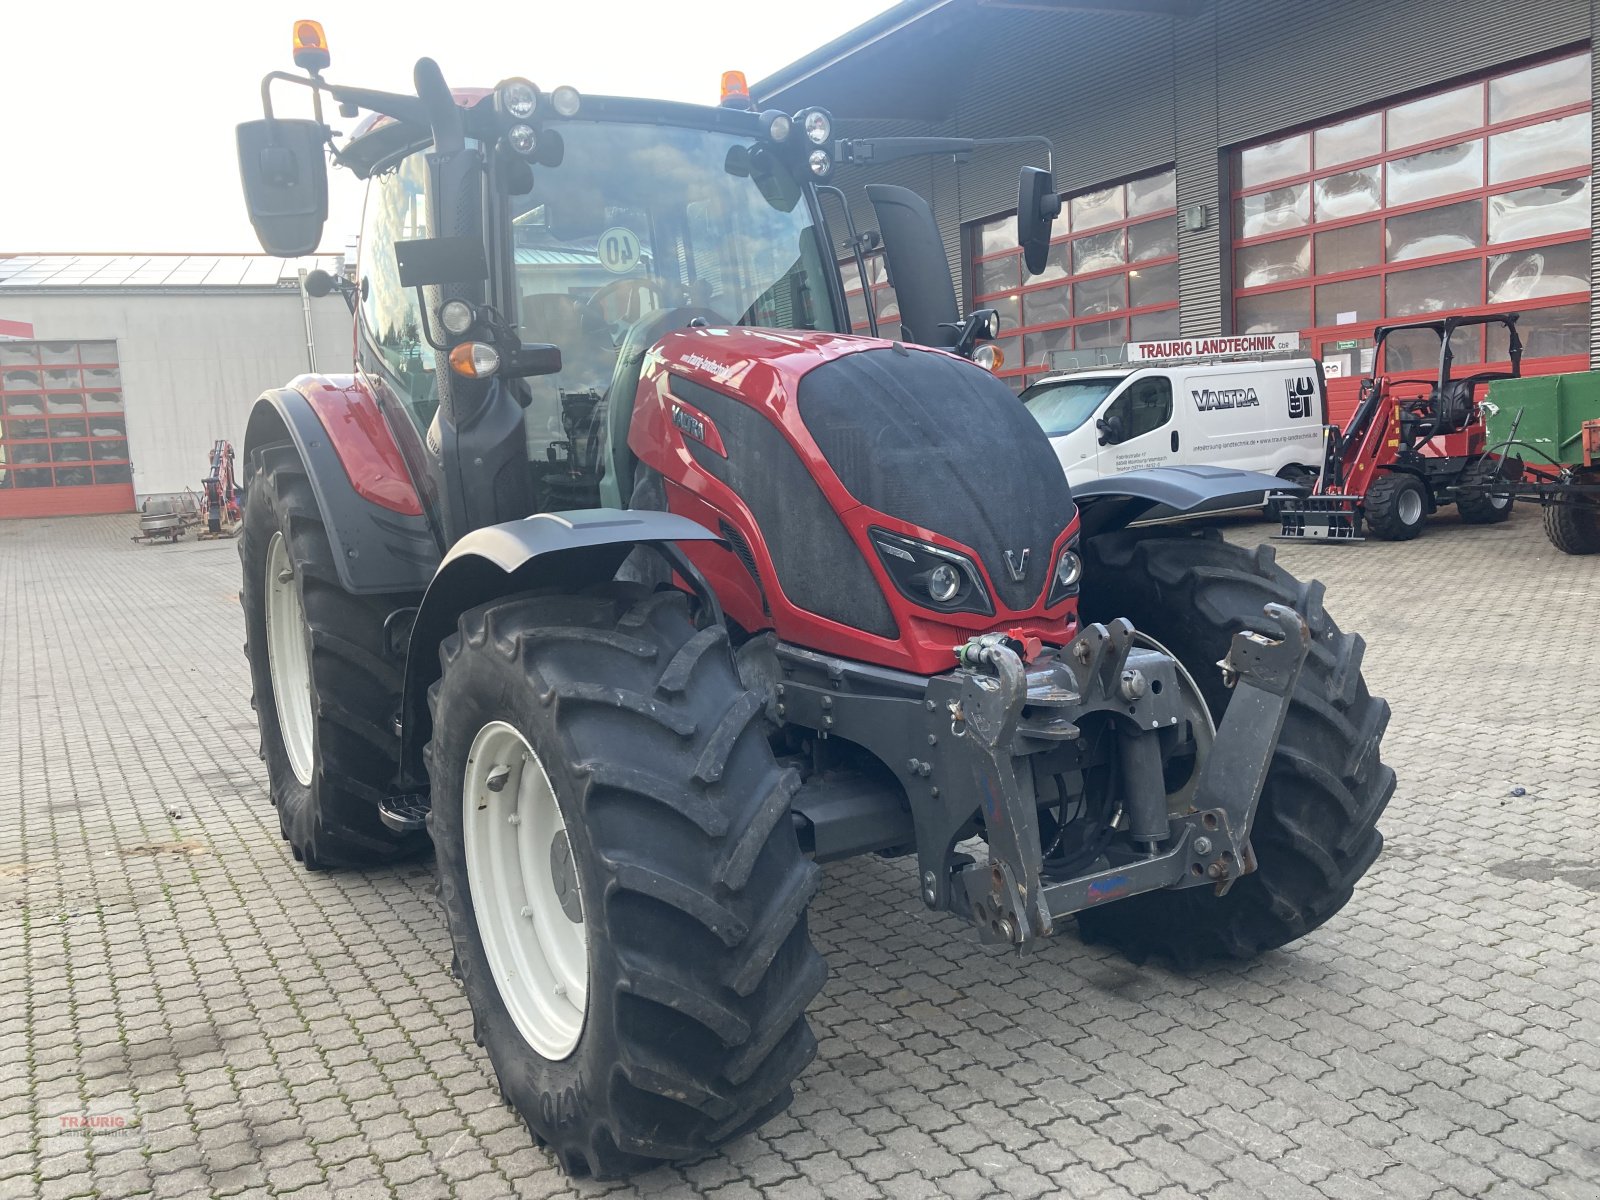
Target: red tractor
{"type": "Point", "coordinates": [642, 621]}
{"type": "Point", "coordinates": [1412, 446]}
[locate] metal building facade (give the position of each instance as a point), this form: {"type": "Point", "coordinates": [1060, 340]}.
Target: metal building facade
{"type": "Point", "coordinates": [180, 347]}
{"type": "Point", "coordinates": [1127, 88]}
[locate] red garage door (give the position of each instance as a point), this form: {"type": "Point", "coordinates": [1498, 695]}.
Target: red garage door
{"type": "Point", "coordinates": [1472, 199]}
{"type": "Point", "coordinates": [63, 433]}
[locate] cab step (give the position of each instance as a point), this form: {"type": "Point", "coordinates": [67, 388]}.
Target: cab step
{"type": "Point", "coordinates": [404, 814]}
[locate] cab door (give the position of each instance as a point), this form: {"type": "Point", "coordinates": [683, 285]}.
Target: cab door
{"type": "Point", "coordinates": [1138, 429]}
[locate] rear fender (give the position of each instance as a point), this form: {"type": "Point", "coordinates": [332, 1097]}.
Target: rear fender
{"type": "Point", "coordinates": [565, 551]}
{"type": "Point", "coordinates": [1119, 500]}
{"type": "Point", "coordinates": [381, 540]}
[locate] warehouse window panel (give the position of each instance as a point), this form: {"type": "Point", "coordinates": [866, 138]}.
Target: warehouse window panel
{"type": "Point", "coordinates": [1540, 89]}
{"type": "Point", "coordinates": [1534, 274]}
{"type": "Point", "coordinates": [1442, 171]}
{"type": "Point", "coordinates": [1440, 115]}
{"type": "Point", "coordinates": [1474, 198]}
{"type": "Point", "coordinates": [1443, 230]}
{"type": "Point", "coordinates": [1275, 160]}
{"type": "Point", "coordinates": [1276, 261]}
{"type": "Point", "coordinates": [1348, 194]}
{"type": "Point", "coordinates": [1113, 251]}
{"type": "Point", "coordinates": [1539, 149]}
{"type": "Point", "coordinates": [1348, 141]}
{"type": "Point", "coordinates": [1556, 332]}
{"type": "Point", "coordinates": [1540, 211]}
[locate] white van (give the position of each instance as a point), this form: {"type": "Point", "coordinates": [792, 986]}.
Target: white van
{"type": "Point", "coordinates": [1254, 414]}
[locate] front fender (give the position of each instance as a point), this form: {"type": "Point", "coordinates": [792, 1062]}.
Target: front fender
{"type": "Point", "coordinates": [564, 552]}
{"type": "Point", "coordinates": [1119, 500]}
{"type": "Point", "coordinates": [381, 540]}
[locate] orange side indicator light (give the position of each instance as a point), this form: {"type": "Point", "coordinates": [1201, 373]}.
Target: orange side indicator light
{"type": "Point", "coordinates": [735, 90]}
{"type": "Point", "coordinates": [310, 46]}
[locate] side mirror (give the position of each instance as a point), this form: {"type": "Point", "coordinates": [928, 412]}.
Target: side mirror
{"type": "Point", "coordinates": [285, 178]}
{"type": "Point", "coordinates": [532, 358]}
{"type": "Point", "coordinates": [1110, 430]}
{"type": "Point", "coordinates": [1038, 205]}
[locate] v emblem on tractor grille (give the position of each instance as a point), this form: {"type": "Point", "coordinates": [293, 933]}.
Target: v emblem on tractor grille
{"type": "Point", "coordinates": [1017, 565]}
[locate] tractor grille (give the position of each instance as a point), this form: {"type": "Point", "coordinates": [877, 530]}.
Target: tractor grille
{"type": "Point", "coordinates": [945, 445]}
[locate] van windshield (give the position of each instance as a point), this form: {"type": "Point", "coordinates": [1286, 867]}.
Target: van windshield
{"type": "Point", "coordinates": [1061, 405]}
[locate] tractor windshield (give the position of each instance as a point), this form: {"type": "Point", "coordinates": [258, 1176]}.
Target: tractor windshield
{"type": "Point", "coordinates": [646, 228]}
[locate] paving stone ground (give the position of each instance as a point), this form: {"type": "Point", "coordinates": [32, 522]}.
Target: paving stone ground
{"type": "Point", "coordinates": [185, 1012]}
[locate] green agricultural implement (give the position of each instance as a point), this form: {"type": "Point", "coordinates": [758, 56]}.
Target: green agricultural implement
{"type": "Point", "coordinates": [1552, 422]}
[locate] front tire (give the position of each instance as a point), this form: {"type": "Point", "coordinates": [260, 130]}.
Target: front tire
{"type": "Point", "coordinates": [1315, 831]}
{"type": "Point", "coordinates": [1396, 506]}
{"type": "Point", "coordinates": [670, 843]}
{"type": "Point", "coordinates": [324, 689]}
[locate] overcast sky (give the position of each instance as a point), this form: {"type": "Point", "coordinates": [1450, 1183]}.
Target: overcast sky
{"type": "Point", "coordinates": [119, 116]}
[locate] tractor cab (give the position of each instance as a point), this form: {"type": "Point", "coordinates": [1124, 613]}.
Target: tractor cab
{"type": "Point", "coordinates": [522, 251]}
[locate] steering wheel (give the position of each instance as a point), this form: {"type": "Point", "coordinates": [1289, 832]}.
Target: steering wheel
{"type": "Point", "coordinates": [633, 288]}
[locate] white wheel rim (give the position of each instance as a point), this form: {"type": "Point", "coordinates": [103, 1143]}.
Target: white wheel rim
{"type": "Point", "coordinates": [514, 839]}
{"type": "Point", "coordinates": [289, 660]}
{"type": "Point", "coordinates": [1410, 506]}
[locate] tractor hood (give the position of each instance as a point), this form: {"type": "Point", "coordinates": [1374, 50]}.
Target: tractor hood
{"type": "Point", "coordinates": [918, 435]}
{"type": "Point", "coordinates": [938, 442]}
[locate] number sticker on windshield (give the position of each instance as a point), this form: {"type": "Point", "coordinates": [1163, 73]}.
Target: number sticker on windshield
{"type": "Point", "coordinates": [619, 250]}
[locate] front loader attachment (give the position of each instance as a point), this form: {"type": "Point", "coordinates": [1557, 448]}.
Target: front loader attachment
{"type": "Point", "coordinates": [1331, 518]}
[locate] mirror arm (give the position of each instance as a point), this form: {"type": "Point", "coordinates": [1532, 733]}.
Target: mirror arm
{"type": "Point", "coordinates": [859, 245]}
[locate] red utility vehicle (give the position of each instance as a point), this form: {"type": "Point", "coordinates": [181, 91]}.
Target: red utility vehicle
{"type": "Point", "coordinates": [1411, 447]}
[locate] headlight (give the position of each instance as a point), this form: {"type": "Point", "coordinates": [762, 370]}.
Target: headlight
{"type": "Point", "coordinates": [522, 139]}
{"type": "Point", "coordinates": [821, 164]}
{"type": "Point", "coordinates": [518, 99]}
{"type": "Point", "coordinates": [1068, 572]}
{"type": "Point", "coordinates": [931, 576]}
{"type": "Point", "coordinates": [565, 100]}
{"type": "Point", "coordinates": [818, 126]}
{"type": "Point", "coordinates": [456, 316]}
{"type": "Point", "coordinates": [943, 582]}
{"type": "Point", "coordinates": [778, 128]}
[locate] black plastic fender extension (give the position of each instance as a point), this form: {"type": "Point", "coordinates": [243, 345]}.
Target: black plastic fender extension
{"type": "Point", "coordinates": [1119, 500]}
{"type": "Point", "coordinates": [562, 551]}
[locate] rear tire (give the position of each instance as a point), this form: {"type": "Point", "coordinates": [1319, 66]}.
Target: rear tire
{"type": "Point", "coordinates": [692, 887]}
{"type": "Point", "coordinates": [1574, 527]}
{"type": "Point", "coordinates": [341, 753]}
{"type": "Point", "coordinates": [1478, 507]}
{"type": "Point", "coordinates": [1315, 831]}
{"type": "Point", "coordinates": [1396, 506]}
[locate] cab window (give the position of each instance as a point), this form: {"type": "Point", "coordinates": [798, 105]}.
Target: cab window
{"type": "Point", "coordinates": [391, 321]}
{"type": "Point", "coordinates": [1145, 407]}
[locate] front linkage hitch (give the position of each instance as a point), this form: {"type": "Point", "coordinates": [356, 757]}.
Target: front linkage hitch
{"type": "Point", "coordinates": [971, 732]}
